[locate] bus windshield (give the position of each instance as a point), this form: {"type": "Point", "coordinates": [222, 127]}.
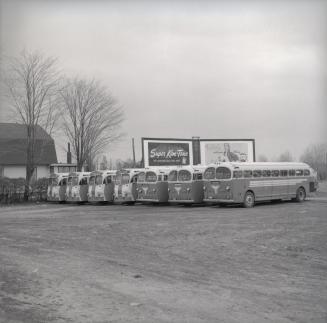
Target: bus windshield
{"type": "Point", "coordinates": [125, 179]}
{"type": "Point", "coordinates": [150, 177]}
{"type": "Point", "coordinates": [223, 173]}
{"type": "Point", "coordinates": [98, 180]}
{"type": "Point", "coordinates": [92, 180]}
{"type": "Point", "coordinates": [141, 177]}
{"type": "Point", "coordinates": [184, 175]}
{"type": "Point", "coordinates": [172, 177]}
{"type": "Point", "coordinates": [209, 173]}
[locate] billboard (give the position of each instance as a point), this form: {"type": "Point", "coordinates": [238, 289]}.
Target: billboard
{"type": "Point", "coordinates": [232, 150]}
{"type": "Point", "coordinates": [167, 152]}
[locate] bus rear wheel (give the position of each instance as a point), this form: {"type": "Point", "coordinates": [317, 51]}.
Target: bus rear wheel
{"type": "Point", "coordinates": [300, 194]}
{"type": "Point", "coordinates": [248, 200]}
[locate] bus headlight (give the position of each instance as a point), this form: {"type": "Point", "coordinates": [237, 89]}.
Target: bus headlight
{"type": "Point", "coordinates": [227, 188]}
{"type": "Point", "coordinates": [204, 188]}
{"type": "Point", "coordinates": [188, 189]}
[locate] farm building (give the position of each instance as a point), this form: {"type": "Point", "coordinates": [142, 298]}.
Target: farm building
{"type": "Point", "coordinates": [13, 143]}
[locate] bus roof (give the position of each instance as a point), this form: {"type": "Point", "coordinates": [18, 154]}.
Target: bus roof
{"type": "Point", "coordinates": [79, 174]}
{"type": "Point", "coordinates": [103, 172]}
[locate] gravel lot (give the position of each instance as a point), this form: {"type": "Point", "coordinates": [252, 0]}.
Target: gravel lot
{"type": "Point", "coordinates": [106, 263]}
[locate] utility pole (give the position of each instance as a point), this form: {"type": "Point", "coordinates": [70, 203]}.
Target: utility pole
{"type": "Point", "coordinates": [133, 146]}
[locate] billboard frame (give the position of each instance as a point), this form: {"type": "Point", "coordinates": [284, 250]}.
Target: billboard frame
{"type": "Point", "coordinates": [235, 140]}
{"type": "Point", "coordinates": [192, 140]}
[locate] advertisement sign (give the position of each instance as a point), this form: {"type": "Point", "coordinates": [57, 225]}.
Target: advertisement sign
{"type": "Point", "coordinates": [163, 153]}
{"type": "Point", "coordinates": [215, 151]}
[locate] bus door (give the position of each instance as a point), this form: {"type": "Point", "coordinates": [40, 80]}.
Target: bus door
{"type": "Point", "coordinates": [197, 188]}
{"type": "Point", "coordinates": [133, 188]}
{"type": "Point", "coordinates": [92, 187]}
{"type": "Point", "coordinates": [99, 187]}
{"type": "Point", "coordinates": [109, 188]}
{"type": "Point", "coordinates": [161, 188]}
{"type": "Point", "coordinates": [62, 189]}
{"type": "Point", "coordinates": [83, 188]}
{"type": "Point", "coordinates": [118, 187]}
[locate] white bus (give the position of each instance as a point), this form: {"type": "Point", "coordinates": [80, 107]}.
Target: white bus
{"type": "Point", "coordinates": [101, 186]}
{"type": "Point", "coordinates": [247, 183]}
{"type": "Point", "coordinates": [125, 186]}
{"type": "Point", "coordinates": [152, 185]}
{"type": "Point", "coordinates": [77, 186]}
{"type": "Point", "coordinates": [57, 187]}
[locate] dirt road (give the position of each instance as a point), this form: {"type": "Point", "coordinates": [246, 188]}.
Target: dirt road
{"type": "Point", "coordinates": [70, 263]}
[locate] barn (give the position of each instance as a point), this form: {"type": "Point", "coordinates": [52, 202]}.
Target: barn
{"type": "Point", "coordinates": [13, 143]}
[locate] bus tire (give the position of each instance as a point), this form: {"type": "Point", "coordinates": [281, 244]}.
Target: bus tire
{"type": "Point", "coordinates": [248, 199]}
{"type": "Point", "coordinates": [300, 194]}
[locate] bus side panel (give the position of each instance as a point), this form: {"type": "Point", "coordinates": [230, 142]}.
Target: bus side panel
{"type": "Point", "coordinates": [83, 192]}
{"type": "Point", "coordinates": [109, 190]}
{"type": "Point", "coordinates": [162, 192]}
{"type": "Point", "coordinates": [197, 193]}
{"type": "Point", "coordinates": [280, 188]}
{"type": "Point", "coordinates": [262, 188]}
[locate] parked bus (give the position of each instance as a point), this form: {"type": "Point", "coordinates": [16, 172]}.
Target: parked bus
{"type": "Point", "coordinates": [247, 183]}
{"type": "Point", "coordinates": [77, 186]}
{"type": "Point", "coordinates": [185, 185]}
{"type": "Point", "coordinates": [152, 186]}
{"type": "Point", "coordinates": [101, 186]}
{"type": "Point", "coordinates": [57, 187]}
{"type": "Point", "coordinates": [125, 186]}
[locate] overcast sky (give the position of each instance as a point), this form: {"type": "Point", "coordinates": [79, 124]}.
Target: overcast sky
{"type": "Point", "coordinates": [214, 69]}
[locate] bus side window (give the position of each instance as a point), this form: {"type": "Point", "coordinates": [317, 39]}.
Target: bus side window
{"type": "Point", "coordinates": [275, 173]}
{"type": "Point", "coordinates": [257, 173]}
{"type": "Point", "coordinates": [283, 172]}
{"type": "Point", "coordinates": [299, 172]}
{"type": "Point", "coordinates": [237, 173]}
{"type": "Point", "coordinates": [165, 178]}
{"type": "Point", "coordinates": [247, 173]}
{"type": "Point", "coordinates": [291, 172]}
{"type": "Point", "coordinates": [266, 173]}
{"type": "Point", "coordinates": [306, 172]}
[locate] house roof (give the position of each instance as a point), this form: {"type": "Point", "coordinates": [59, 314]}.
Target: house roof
{"type": "Point", "coordinates": [13, 142]}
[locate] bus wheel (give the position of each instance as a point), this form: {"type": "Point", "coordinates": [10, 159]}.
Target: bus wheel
{"type": "Point", "coordinates": [300, 194]}
{"type": "Point", "coordinates": [248, 199]}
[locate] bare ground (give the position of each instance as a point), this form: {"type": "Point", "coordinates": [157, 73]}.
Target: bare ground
{"type": "Point", "coordinates": [71, 263]}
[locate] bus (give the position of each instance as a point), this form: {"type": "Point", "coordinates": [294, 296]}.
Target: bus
{"type": "Point", "coordinates": [185, 185]}
{"type": "Point", "coordinates": [57, 187]}
{"type": "Point", "coordinates": [248, 183]}
{"type": "Point", "coordinates": [101, 186]}
{"type": "Point", "coordinates": [152, 186]}
{"type": "Point", "coordinates": [77, 186]}
{"type": "Point", "coordinates": [125, 186]}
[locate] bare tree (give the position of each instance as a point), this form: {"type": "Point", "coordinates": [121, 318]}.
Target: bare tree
{"type": "Point", "coordinates": [286, 156]}
{"type": "Point", "coordinates": [316, 157]}
{"type": "Point", "coordinates": [262, 158]}
{"type": "Point", "coordinates": [91, 120]}
{"type": "Point", "coordinates": [31, 81]}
